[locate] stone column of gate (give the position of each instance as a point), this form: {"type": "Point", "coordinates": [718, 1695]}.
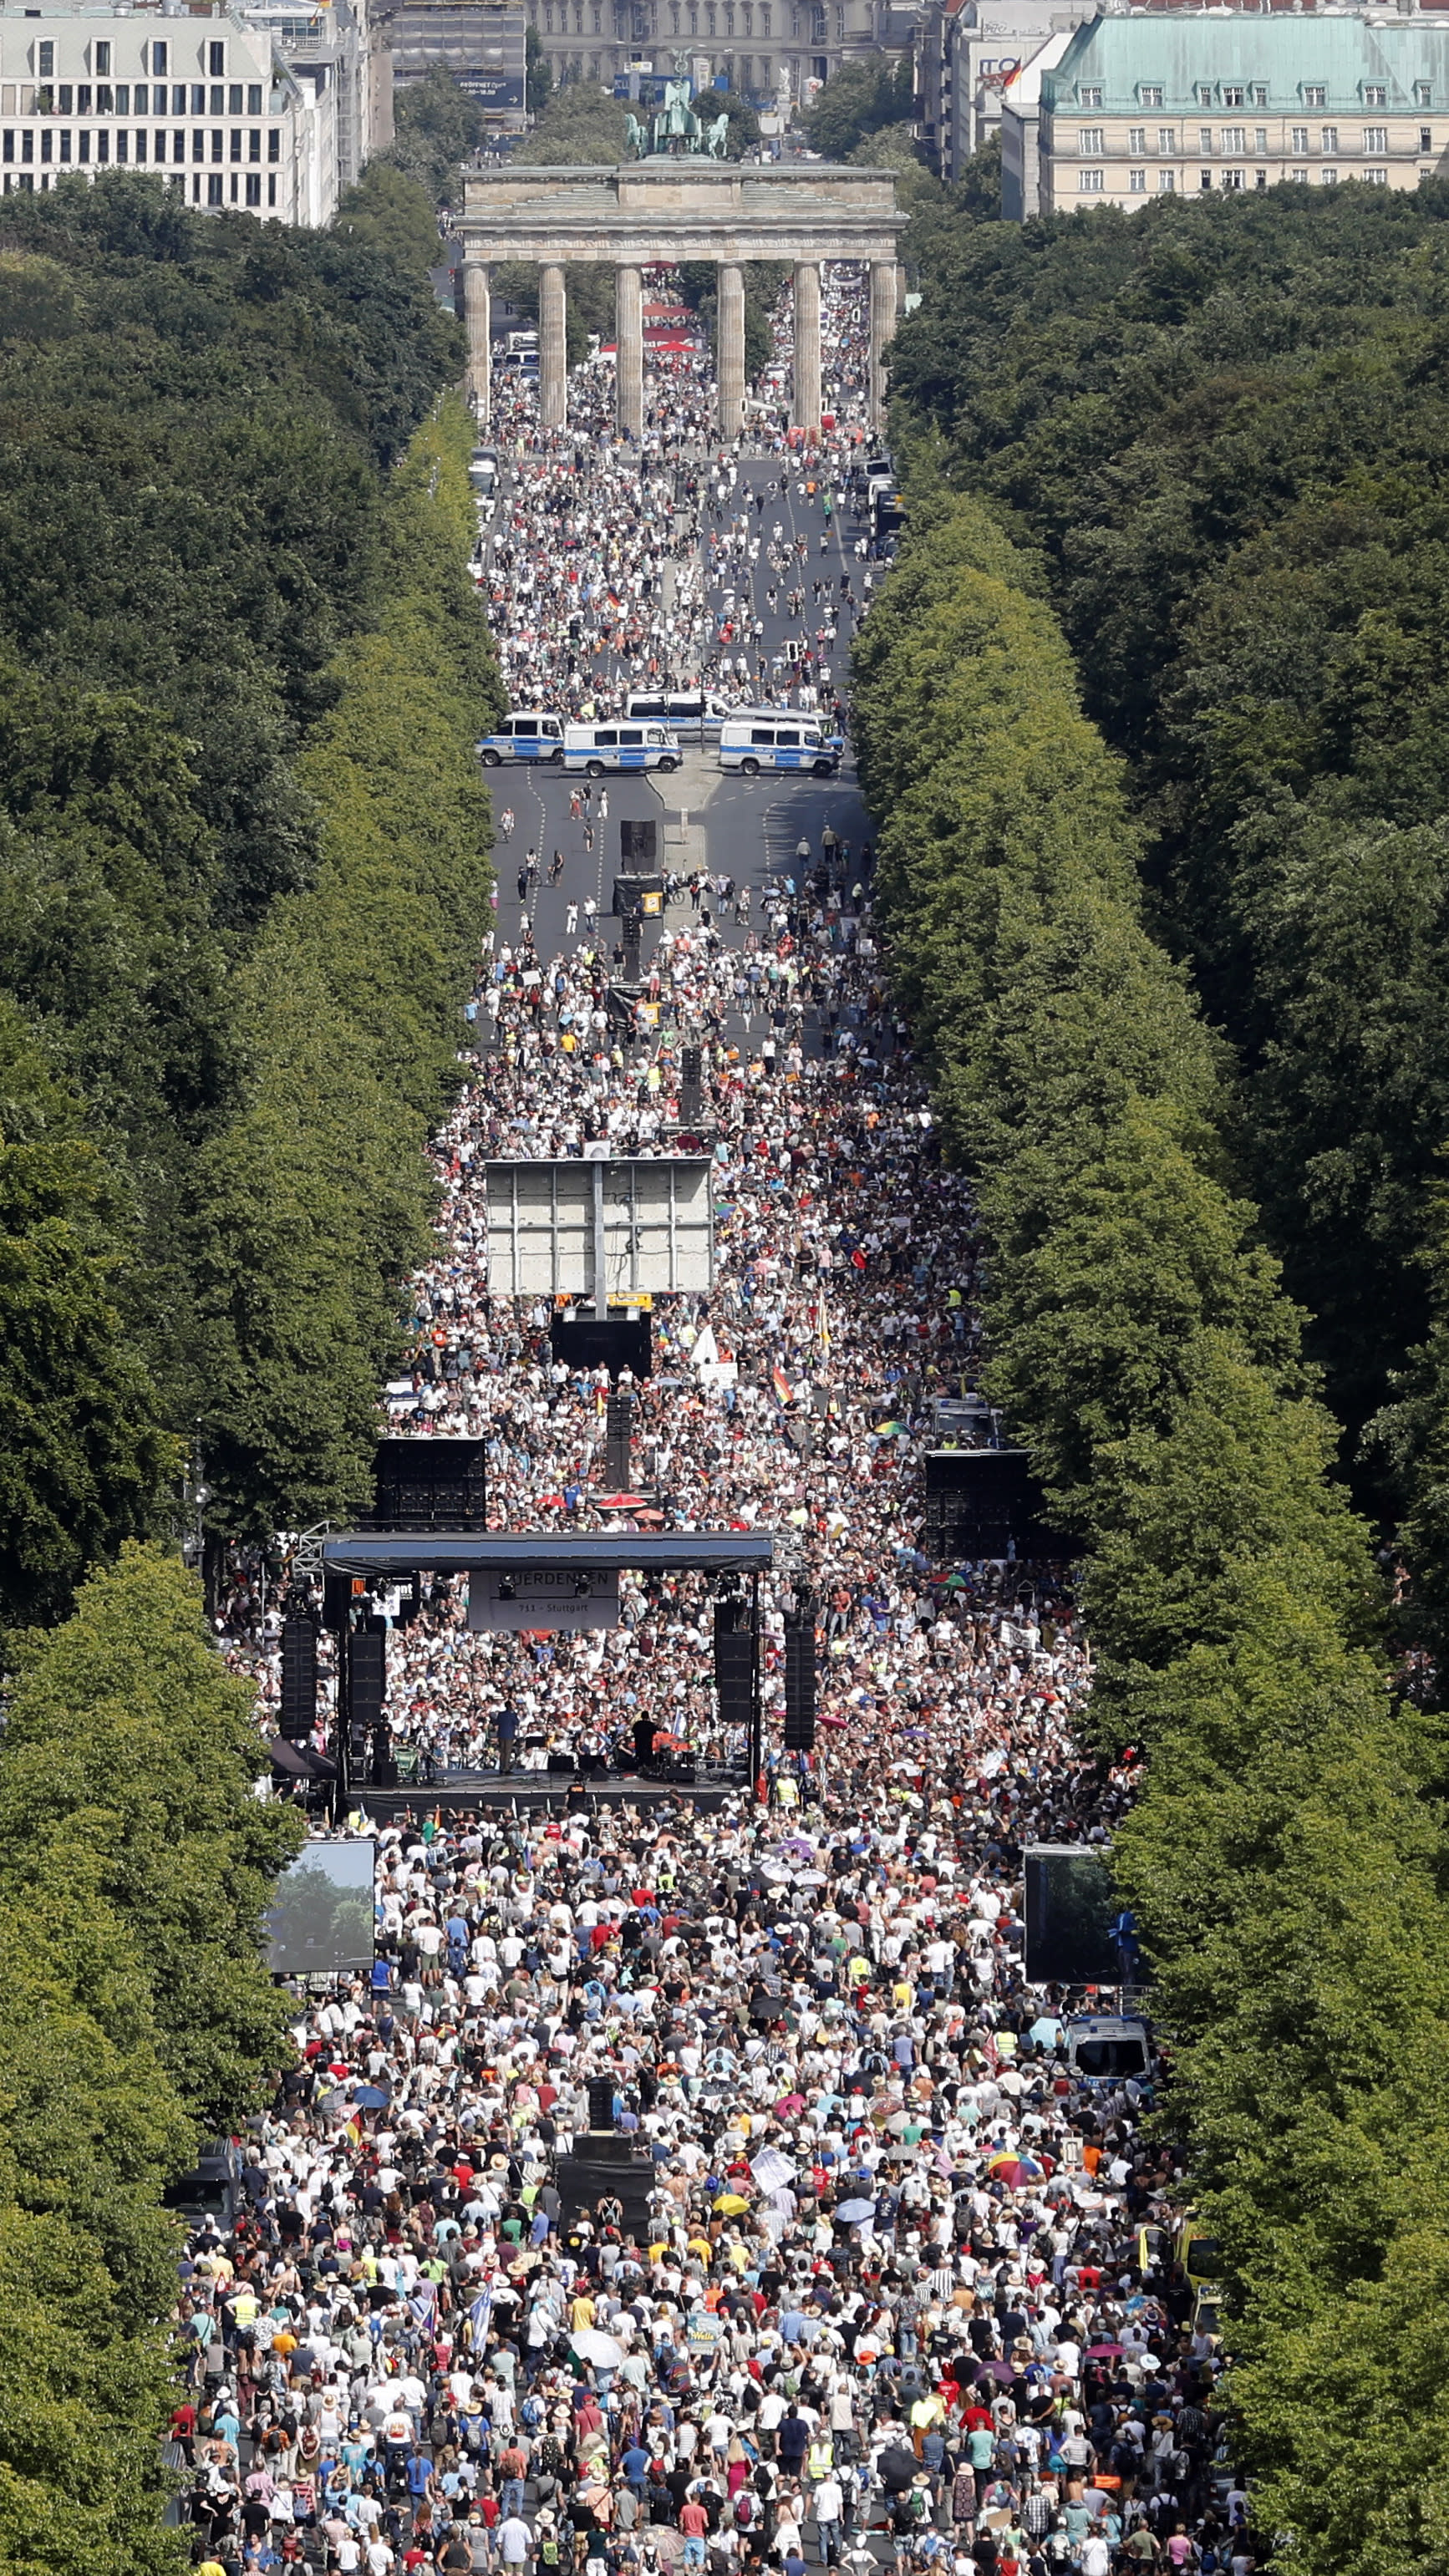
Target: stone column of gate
{"type": "Point", "coordinates": [731, 321]}
{"type": "Point", "coordinates": [807, 344]}
{"type": "Point", "coordinates": [478, 317]}
{"type": "Point", "coordinates": [882, 332]}
{"type": "Point", "coordinates": [629, 347]}
{"type": "Point", "coordinates": [552, 347]}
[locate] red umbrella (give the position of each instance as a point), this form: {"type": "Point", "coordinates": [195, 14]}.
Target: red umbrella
{"type": "Point", "coordinates": [617, 1502]}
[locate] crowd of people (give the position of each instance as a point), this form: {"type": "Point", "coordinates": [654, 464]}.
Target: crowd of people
{"type": "Point", "coordinates": [609, 567]}
{"type": "Point", "coordinates": [696, 2180]}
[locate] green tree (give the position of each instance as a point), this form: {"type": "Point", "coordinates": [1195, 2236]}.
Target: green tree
{"type": "Point", "coordinates": [390, 210]}
{"type": "Point", "coordinates": [83, 1457]}
{"type": "Point", "coordinates": [128, 1773]}
{"type": "Point", "coordinates": [436, 127]}
{"type": "Point", "coordinates": [859, 99]}
{"type": "Point", "coordinates": [538, 77]}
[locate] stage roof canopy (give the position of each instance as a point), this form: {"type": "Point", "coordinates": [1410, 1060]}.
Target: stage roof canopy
{"type": "Point", "coordinates": [380, 1554]}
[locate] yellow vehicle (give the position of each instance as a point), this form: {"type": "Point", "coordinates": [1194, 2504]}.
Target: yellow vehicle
{"type": "Point", "coordinates": [1198, 2253]}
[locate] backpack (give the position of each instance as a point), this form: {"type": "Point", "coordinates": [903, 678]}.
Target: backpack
{"type": "Point", "coordinates": [744, 2510]}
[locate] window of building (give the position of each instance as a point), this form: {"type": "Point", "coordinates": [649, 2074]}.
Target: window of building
{"type": "Point", "coordinates": [216, 60]}
{"type": "Point", "coordinates": [1167, 138]}
{"type": "Point", "coordinates": [765, 29]}
{"type": "Point", "coordinates": [1137, 138]}
{"type": "Point", "coordinates": [1204, 93]}
{"type": "Point", "coordinates": [254, 144]}
{"type": "Point", "coordinates": [1376, 138]}
{"type": "Point", "coordinates": [27, 147]}
{"type": "Point", "coordinates": [198, 98]}
{"type": "Point", "coordinates": [1426, 139]}
{"type": "Point", "coordinates": [105, 99]}
{"type": "Point", "coordinates": [101, 65]}
{"type": "Point", "coordinates": [1089, 182]}
{"type": "Point", "coordinates": [1204, 138]}
{"type": "Point", "coordinates": [1204, 178]}
{"type": "Point", "coordinates": [218, 100]}
{"type": "Point", "coordinates": [274, 151]}
{"type": "Point", "coordinates": [47, 144]}
{"type": "Point", "coordinates": [1375, 94]}
{"type": "Point", "coordinates": [1234, 139]}
{"type": "Point", "coordinates": [65, 146]}
{"type": "Point", "coordinates": [123, 98]}
{"type": "Point", "coordinates": [765, 82]}
{"type": "Point", "coordinates": [7, 144]}
{"type": "Point", "coordinates": [1300, 175]}
{"type": "Point", "coordinates": [65, 99]}
{"type": "Point", "coordinates": [1330, 139]}
{"type": "Point", "coordinates": [1260, 93]}
{"type": "Point", "coordinates": [213, 189]}
{"type": "Point", "coordinates": [1089, 141]}
{"type": "Point", "coordinates": [1315, 95]}
{"type": "Point", "coordinates": [1232, 95]}
{"type": "Point", "coordinates": [178, 99]}
{"type": "Point", "coordinates": [236, 143]}
{"type": "Point", "coordinates": [254, 187]}
{"type": "Point", "coordinates": [82, 98]}
{"type": "Point", "coordinates": [1423, 95]}
{"type": "Point", "coordinates": [1329, 178]}
{"type": "Point", "coordinates": [1260, 178]}
{"type": "Point", "coordinates": [1090, 97]}
{"type": "Point", "coordinates": [45, 59]}
{"type": "Point", "coordinates": [234, 99]}
{"type": "Point", "coordinates": [160, 60]}
{"type": "Point", "coordinates": [140, 143]}
{"type": "Point", "coordinates": [1232, 178]}
{"type": "Point", "coordinates": [1260, 138]}
{"type": "Point", "coordinates": [1150, 94]}
{"type": "Point", "coordinates": [271, 191]}
{"type": "Point", "coordinates": [1137, 183]}
{"type": "Point", "coordinates": [1300, 139]}
{"type": "Point", "coordinates": [1377, 178]}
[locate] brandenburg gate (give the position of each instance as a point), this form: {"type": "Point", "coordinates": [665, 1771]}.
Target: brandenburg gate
{"type": "Point", "coordinates": [653, 212]}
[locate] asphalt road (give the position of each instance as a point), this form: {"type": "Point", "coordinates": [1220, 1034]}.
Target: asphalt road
{"type": "Point", "coordinates": [746, 828]}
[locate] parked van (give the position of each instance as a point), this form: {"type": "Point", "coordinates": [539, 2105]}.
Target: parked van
{"type": "Point", "coordinates": [597, 747]}
{"type": "Point", "coordinates": [525, 735]}
{"type": "Point", "coordinates": [483, 472]}
{"type": "Point", "coordinates": [773, 738]}
{"type": "Point", "coordinates": [694, 714]}
{"type": "Point", "coordinates": [1108, 2048]}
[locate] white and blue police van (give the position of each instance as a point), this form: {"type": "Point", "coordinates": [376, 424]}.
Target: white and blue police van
{"type": "Point", "coordinates": [757, 738]}
{"type": "Point", "coordinates": [526, 734]}
{"type": "Point", "coordinates": [618, 744]}
{"type": "Point", "coordinates": [693, 714]}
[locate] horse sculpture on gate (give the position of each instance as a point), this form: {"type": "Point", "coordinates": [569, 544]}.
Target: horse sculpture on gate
{"type": "Point", "coordinates": [674, 131]}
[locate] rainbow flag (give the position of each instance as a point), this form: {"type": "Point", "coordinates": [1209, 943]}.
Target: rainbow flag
{"type": "Point", "coordinates": [781, 1384]}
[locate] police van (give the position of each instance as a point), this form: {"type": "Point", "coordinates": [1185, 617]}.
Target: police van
{"type": "Point", "coordinates": [691, 713]}
{"type": "Point", "coordinates": [619, 745]}
{"type": "Point", "coordinates": [773, 738]}
{"type": "Point", "coordinates": [524, 735]}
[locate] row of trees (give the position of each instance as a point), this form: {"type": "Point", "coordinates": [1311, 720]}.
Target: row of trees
{"type": "Point", "coordinates": [1286, 1850]}
{"type": "Point", "coordinates": [1217, 427]}
{"type": "Point", "coordinates": [241, 846]}
{"type": "Point", "coordinates": [135, 2014]}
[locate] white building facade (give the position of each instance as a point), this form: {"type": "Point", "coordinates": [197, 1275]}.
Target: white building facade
{"type": "Point", "coordinates": [1186, 103]}
{"type": "Point", "coordinates": [202, 103]}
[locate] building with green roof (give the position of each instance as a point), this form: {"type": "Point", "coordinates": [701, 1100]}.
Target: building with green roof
{"type": "Point", "coordinates": [1171, 102]}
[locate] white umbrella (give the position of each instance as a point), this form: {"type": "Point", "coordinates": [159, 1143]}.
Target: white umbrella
{"type": "Point", "coordinates": [600, 2349]}
{"type": "Point", "coordinates": [852, 2211]}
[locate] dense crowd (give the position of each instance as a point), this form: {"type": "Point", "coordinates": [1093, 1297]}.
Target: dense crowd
{"type": "Point", "coordinates": [610, 568]}
{"type": "Point", "coordinates": [701, 2182]}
